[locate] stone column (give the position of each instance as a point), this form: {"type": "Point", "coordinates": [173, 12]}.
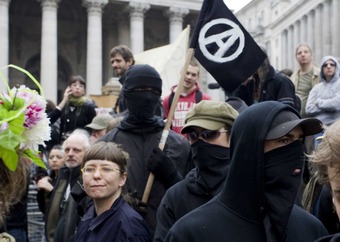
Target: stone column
{"type": "Point", "coordinates": [4, 39]}
{"type": "Point", "coordinates": [176, 21]}
{"type": "Point", "coordinates": [335, 34]}
{"type": "Point", "coordinates": [290, 51]}
{"type": "Point", "coordinates": [303, 30]}
{"type": "Point", "coordinates": [310, 31]}
{"type": "Point", "coordinates": [94, 59]}
{"type": "Point", "coordinates": [137, 11]}
{"type": "Point", "coordinates": [296, 41]}
{"type": "Point", "coordinates": [318, 33]}
{"type": "Point", "coordinates": [284, 50]}
{"type": "Point", "coordinates": [326, 29]}
{"type": "Point", "coordinates": [49, 49]}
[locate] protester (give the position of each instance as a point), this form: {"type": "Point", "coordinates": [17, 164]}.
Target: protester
{"type": "Point", "coordinates": [62, 214]}
{"type": "Point", "coordinates": [323, 100]}
{"type": "Point", "coordinates": [110, 218]}
{"type": "Point", "coordinates": [257, 200]}
{"type": "Point", "coordinates": [121, 58]}
{"type": "Point", "coordinates": [190, 95]}
{"type": "Point", "coordinates": [267, 84]}
{"type": "Point", "coordinates": [45, 185]}
{"type": "Point", "coordinates": [208, 127]}
{"type": "Point", "coordinates": [99, 126]}
{"type": "Point", "coordinates": [306, 76]}
{"type": "Point", "coordinates": [75, 110]}
{"type": "Point", "coordinates": [140, 132]}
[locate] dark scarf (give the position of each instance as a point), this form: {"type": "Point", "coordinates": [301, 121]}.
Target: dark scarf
{"type": "Point", "coordinates": [141, 106]}
{"type": "Point", "coordinates": [212, 164]}
{"type": "Point", "coordinates": [281, 186]}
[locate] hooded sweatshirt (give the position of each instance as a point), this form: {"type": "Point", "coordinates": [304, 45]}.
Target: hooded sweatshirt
{"type": "Point", "coordinates": [257, 200]}
{"type": "Point", "coordinates": [324, 99]}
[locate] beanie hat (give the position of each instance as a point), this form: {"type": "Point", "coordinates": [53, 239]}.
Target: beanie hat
{"type": "Point", "coordinates": [142, 76]}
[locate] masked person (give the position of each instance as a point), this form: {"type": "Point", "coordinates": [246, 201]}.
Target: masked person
{"type": "Point", "coordinates": [139, 134]}
{"type": "Point", "coordinates": [208, 127]}
{"type": "Point", "coordinates": [257, 200]}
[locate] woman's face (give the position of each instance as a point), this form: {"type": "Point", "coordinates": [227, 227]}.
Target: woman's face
{"type": "Point", "coordinates": [56, 159]}
{"type": "Point", "coordinates": [77, 89]}
{"type": "Point", "coordinates": [103, 180]}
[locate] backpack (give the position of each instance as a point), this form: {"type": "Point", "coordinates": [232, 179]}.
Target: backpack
{"type": "Point", "coordinates": [199, 96]}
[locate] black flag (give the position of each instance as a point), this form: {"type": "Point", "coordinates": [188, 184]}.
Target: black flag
{"type": "Point", "coordinates": [224, 47]}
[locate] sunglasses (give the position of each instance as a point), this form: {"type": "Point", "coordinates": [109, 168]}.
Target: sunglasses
{"type": "Point", "coordinates": [206, 135]}
{"type": "Point", "coordinates": [328, 64]}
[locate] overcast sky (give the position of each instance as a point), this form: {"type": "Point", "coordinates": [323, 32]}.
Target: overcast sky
{"type": "Point", "coordinates": [236, 4]}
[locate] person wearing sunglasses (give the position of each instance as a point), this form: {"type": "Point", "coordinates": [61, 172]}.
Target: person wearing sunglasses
{"type": "Point", "coordinates": [110, 218]}
{"type": "Point", "coordinates": [324, 100]}
{"type": "Point", "coordinates": [257, 199]}
{"type": "Point", "coordinates": [207, 127]}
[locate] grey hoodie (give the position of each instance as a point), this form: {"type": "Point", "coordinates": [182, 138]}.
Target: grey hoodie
{"type": "Point", "coordinates": [324, 98]}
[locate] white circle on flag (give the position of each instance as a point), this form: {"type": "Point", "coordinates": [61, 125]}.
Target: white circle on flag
{"type": "Point", "coordinates": [224, 40]}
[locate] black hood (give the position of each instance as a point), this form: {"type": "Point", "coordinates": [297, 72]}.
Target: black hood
{"type": "Point", "coordinates": [246, 172]}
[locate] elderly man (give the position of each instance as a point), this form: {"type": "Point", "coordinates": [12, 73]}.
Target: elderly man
{"type": "Point", "coordinates": [61, 215]}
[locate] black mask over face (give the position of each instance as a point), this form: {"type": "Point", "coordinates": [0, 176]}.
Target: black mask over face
{"type": "Point", "coordinates": [282, 177]}
{"type": "Point", "coordinates": [212, 162]}
{"type": "Point", "coordinates": [141, 106]}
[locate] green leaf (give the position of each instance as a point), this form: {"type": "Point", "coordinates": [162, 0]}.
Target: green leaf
{"type": "Point", "coordinates": [35, 158]}
{"type": "Point", "coordinates": [10, 158]}
{"type": "Point", "coordinates": [17, 125]}
{"type": "Point", "coordinates": [10, 140]}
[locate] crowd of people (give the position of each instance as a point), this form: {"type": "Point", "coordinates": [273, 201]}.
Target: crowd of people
{"type": "Point", "coordinates": [262, 165]}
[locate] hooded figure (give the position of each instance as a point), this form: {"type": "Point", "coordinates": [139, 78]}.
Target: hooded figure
{"type": "Point", "coordinates": [211, 158]}
{"type": "Point", "coordinates": [257, 200]}
{"type": "Point", "coordinates": [139, 133]}
{"type": "Point", "coordinates": [323, 100]}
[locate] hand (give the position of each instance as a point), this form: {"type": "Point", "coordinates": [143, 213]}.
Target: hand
{"type": "Point", "coordinates": [163, 168]}
{"type": "Point", "coordinates": [45, 184]}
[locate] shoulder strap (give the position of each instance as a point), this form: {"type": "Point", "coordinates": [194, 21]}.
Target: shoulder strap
{"type": "Point", "coordinates": [198, 94]}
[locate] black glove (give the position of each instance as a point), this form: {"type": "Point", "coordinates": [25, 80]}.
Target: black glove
{"type": "Point", "coordinates": [163, 168]}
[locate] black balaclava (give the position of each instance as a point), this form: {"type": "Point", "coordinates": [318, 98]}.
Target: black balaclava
{"type": "Point", "coordinates": [252, 190]}
{"type": "Point", "coordinates": [282, 178]}
{"type": "Point", "coordinates": [142, 103]}
{"type": "Point", "coordinates": [212, 162]}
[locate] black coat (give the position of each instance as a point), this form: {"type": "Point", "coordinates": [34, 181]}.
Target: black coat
{"type": "Point", "coordinates": [139, 143]}
{"type": "Point", "coordinates": [239, 212]}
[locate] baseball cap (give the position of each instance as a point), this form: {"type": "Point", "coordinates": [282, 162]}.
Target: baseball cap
{"type": "Point", "coordinates": [100, 122]}
{"type": "Point", "coordinates": [286, 120]}
{"type": "Point", "coordinates": [210, 115]}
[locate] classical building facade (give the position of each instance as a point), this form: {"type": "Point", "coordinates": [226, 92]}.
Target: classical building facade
{"type": "Point", "coordinates": [281, 25]}
{"type": "Point", "coordinates": [53, 39]}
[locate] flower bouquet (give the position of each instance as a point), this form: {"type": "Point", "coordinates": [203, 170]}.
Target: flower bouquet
{"type": "Point", "coordinates": [23, 123]}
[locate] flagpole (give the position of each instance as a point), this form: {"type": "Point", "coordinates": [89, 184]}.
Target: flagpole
{"type": "Point", "coordinates": [151, 178]}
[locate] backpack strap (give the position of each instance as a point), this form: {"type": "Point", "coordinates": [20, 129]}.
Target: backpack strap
{"type": "Point", "coordinates": [198, 97]}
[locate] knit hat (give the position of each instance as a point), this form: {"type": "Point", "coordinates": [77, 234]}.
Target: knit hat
{"type": "Point", "coordinates": [100, 122]}
{"type": "Point", "coordinates": [142, 76]}
{"type": "Point", "coordinates": [285, 121]}
{"type": "Point", "coordinates": [211, 115]}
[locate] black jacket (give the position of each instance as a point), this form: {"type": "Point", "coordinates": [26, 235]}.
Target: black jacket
{"type": "Point", "coordinates": [239, 212]}
{"type": "Point", "coordinates": [139, 143]}
{"type": "Point", "coordinates": [73, 117]}
{"type": "Point", "coordinates": [61, 218]}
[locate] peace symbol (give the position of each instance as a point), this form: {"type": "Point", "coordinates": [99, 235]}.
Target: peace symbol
{"type": "Point", "coordinates": [231, 36]}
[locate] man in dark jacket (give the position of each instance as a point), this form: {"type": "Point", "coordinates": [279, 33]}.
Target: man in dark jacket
{"type": "Point", "coordinates": [140, 132]}
{"type": "Point", "coordinates": [62, 217]}
{"type": "Point", "coordinates": [208, 127]}
{"type": "Point", "coordinates": [257, 200]}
